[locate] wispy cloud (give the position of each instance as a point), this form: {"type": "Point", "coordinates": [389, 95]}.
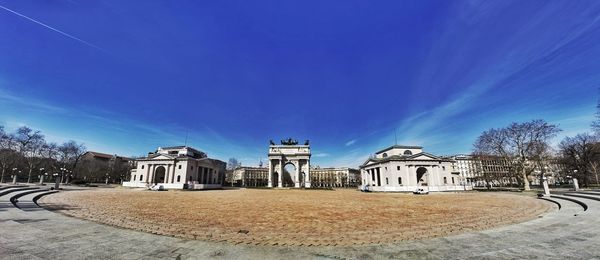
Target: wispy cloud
{"type": "Point", "coordinates": [53, 29]}
{"type": "Point", "coordinates": [321, 155]}
{"type": "Point", "coordinates": [351, 142]}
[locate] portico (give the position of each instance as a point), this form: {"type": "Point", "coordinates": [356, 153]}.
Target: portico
{"type": "Point", "coordinates": [406, 168]}
{"type": "Point", "coordinates": [174, 167]}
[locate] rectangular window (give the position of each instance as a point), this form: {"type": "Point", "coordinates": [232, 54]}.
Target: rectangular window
{"type": "Point", "coordinates": [398, 168]}
{"type": "Point", "coordinates": [452, 180]}
{"type": "Point", "coordinates": [445, 180]}
{"type": "Point", "coordinates": [399, 180]}
{"type": "Point", "coordinates": [180, 167]}
{"type": "Point", "coordinates": [142, 166]}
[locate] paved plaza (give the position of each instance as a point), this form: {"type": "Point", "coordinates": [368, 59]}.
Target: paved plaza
{"type": "Point", "coordinates": [296, 217]}
{"type": "Point", "coordinates": [30, 232]}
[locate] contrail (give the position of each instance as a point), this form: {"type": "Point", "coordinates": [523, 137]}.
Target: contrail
{"type": "Point", "coordinates": [53, 29]}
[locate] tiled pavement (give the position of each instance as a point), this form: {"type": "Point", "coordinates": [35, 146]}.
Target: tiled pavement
{"type": "Point", "coordinates": [31, 233]}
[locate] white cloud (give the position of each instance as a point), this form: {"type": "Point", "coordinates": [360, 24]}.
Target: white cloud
{"type": "Point", "coordinates": [351, 142]}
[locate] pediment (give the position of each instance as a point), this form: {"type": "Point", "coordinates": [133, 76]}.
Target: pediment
{"type": "Point", "coordinates": [161, 157]}
{"type": "Point", "coordinates": [424, 156]}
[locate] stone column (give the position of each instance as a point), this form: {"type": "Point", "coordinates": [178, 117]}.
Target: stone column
{"type": "Point", "coordinates": [297, 176]}
{"type": "Point", "coordinates": [147, 175]}
{"type": "Point", "coordinates": [167, 173]}
{"type": "Point", "coordinates": [307, 183]}
{"type": "Point", "coordinates": [575, 184]}
{"type": "Point", "coordinates": [173, 172]}
{"type": "Point", "coordinates": [270, 183]}
{"type": "Point", "coordinates": [409, 179]}
{"type": "Point", "coordinates": [280, 181]}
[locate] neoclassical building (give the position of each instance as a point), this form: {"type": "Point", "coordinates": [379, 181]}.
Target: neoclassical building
{"type": "Point", "coordinates": [178, 167]}
{"type": "Point", "coordinates": [334, 177]}
{"type": "Point", "coordinates": [406, 168]}
{"type": "Point", "coordinates": [244, 176]}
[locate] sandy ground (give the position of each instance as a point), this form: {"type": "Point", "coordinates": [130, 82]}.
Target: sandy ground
{"type": "Point", "coordinates": [296, 217]}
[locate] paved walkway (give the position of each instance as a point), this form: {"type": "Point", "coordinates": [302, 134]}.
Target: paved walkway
{"type": "Point", "coordinates": [33, 233]}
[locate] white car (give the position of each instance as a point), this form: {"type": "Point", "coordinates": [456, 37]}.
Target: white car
{"type": "Point", "coordinates": [365, 188]}
{"type": "Point", "coordinates": [421, 191]}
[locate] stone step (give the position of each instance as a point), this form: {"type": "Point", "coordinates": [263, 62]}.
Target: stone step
{"type": "Point", "coordinates": [25, 198]}
{"type": "Point", "coordinates": [583, 195]}
{"type": "Point", "coordinates": [576, 201]}
{"type": "Point", "coordinates": [553, 201]}
{"type": "Point", "coordinates": [16, 189]}
{"type": "Point", "coordinates": [4, 187]}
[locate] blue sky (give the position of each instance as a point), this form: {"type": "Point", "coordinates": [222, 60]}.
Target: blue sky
{"type": "Point", "coordinates": [129, 76]}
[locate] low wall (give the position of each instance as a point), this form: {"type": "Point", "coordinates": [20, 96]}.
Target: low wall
{"type": "Point", "coordinates": [175, 186]}
{"type": "Point", "coordinates": [413, 188]}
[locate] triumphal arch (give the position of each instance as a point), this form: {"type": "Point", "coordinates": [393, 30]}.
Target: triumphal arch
{"type": "Point", "coordinates": [289, 164]}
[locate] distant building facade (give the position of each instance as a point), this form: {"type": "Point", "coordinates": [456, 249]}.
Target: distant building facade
{"type": "Point", "coordinates": [98, 167]}
{"type": "Point", "coordinates": [251, 176]}
{"type": "Point", "coordinates": [178, 167]}
{"type": "Point", "coordinates": [335, 177]}
{"type": "Point", "coordinates": [468, 166]}
{"type": "Point", "coordinates": [406, 168]}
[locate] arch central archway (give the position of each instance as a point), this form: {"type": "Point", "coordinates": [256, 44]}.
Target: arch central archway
{"type": "Point", "coordinates": [422, 176]}
{"type": "Point", "coordinates": [159, 175]}
{"type": "Point", "coordinates": [289, 175]}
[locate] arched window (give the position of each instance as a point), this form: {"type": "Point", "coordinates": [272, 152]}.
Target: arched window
{"type": "Point", "coordinates": [384, 155]}
{"type": "Point", "coordinates": [141, 177]}
{"type": "Point", "coordinates": [400, 180]}
{"type": "Point", "coordinates": [407, 152]}
{"type": "Point", "coordinates": [142, 166]}
{"type": "Point", "coordinates": [445, 180]}
{"type": "Point", "coordinates": [179, 177]}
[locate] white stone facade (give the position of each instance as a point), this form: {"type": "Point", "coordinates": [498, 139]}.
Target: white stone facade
{"type": "Point", "coordinates": [178, 167]}
{"type": "Point", "coordinates": [406, 168]}
{"type": "Point", "coordinates": [282, 155]}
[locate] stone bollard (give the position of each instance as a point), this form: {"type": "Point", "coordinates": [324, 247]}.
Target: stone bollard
{"type": "Point", "coordinates": [575, 184]}
{"type": "Point", "coordinates": [14, 179]}
{"type": "Point", "coordinates": [41, 179]}
{"type": "Point", "coordinates": [546, 188]}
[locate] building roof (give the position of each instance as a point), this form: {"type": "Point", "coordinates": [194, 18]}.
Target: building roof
{"type": "Point", "coordinates": [406, 158]}
{"type": "Point", "coordinates": [174, 147]}
{"type": "Point", "coordinates": [399, 147]}
{"type": "Point", "coordinates": [106, 156]}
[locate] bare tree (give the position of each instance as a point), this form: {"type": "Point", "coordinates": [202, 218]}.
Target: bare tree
{"type": "Point", "coordinates": [29, 144]}
{"type": "Point", "coordinates": [596, 123]}
{"type": "Point", "coordinates": [579, 153]}
{"type": "Point", "coordinates": [595, 168]}
{"type": "Point", "coordinates": [7, 153]}
{"type": "Point", "coordinates": [517, 144]}
{"type": "Point", "coordinates": [232, 164]}
{"type": "Point", "coordinates": [70, 154]}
